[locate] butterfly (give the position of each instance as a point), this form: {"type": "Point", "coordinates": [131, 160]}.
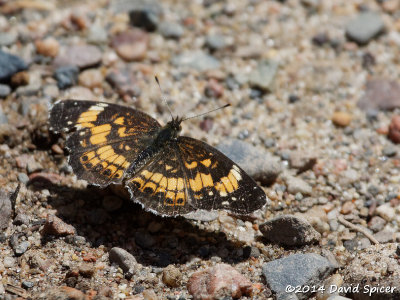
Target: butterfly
{"type": "Point", "coordinates": [166, 173]}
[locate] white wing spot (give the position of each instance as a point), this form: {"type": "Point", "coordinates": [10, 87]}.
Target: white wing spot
{"type": "Point", "coordinates": [223, 194]}
{"type": "Point", "coordinates": [236, 172]}
{"type": "Point", "coordinates": [225, 203]}
{"type": "Point", "coordinates": [210, 193]}
{"type": "Point", "coordinates": [97, 107]}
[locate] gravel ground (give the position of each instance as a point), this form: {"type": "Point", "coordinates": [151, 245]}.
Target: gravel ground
{"type": "Point", "coordinates": [315, 119]}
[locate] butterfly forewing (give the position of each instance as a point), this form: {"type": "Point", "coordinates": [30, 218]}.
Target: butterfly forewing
{"type": "Point", "coordinates": [106, 137]}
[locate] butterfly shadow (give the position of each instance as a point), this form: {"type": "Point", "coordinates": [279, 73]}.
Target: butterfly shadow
{"type": "Point", "coordinates": [153, 240]}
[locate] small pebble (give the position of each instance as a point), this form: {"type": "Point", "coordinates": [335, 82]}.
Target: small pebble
{"type": "Point", "coordinates": [341, 119]}
{"type": "Point", "coordinates": [91, 78]}
{"type": "Point", "coordinates": [394, 129]}
{"type": "Point", "coordinates": [170, 30]}
{"type": "Point", "coordinates": [5, 90]}
{"type": "Point", "coordinates": [27, 284]}
{"type": "Point", "coordinates": [22, 248]}
{"type": "Point", "coordinates": [364, 27]}
{"type": "Point", "coordinates": [131, 45]}
{"type": "Point", "coordinates": [219, 281]}
{"type": "Point", "coordinates": [56, 226]}
{"type": "Point", "coordinates": [172, 276]}
{"type": "Point", "coordinates": [48, 47]}
{"type": "Point", "coordinates": [66, 76]}
{"type": "Point", "coordinates": [9, 262]}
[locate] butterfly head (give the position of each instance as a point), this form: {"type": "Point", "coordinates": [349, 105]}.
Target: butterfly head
{"type": "Point", "coordinates": [175, 126]}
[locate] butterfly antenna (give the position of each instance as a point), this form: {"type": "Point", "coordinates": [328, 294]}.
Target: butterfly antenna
{"type": "Point", "coordinates": [163, 96]}
{"type": "Point", "coordinates": [226, 105]}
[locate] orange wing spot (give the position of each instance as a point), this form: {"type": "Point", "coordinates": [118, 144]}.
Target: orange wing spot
{"type": "Point", "coordinates": [118, 174]}
{"type": "Point", "coordinates": [215, 164]}
{"type": "Point", "coordinates": [101, 128]}
{"type": "Point", "coordinates": [87, 156]}
{"type": "Point", "coordinates": [207, 179]}
{"type": "Point", "coordinates": [172, 183]}
{"type": "Point", "coordinates": [228, 184]}
{"type": "Point", "coordinates": [233, 180]}
{"type": "Point", "coordinates": [99, 134]}
{"type": "Point", "coordinates": [163, 183]}
{"type": "Point", "coordinates": [127, 148]}
{"type": "Point", "coordinates": [83, 143]}
{"type": "Point", "coordinates": [119, 161]}
{"type": "Point", "coordinates": [156, 177]}
{"type": "Point", "coordinates": [119, 121]}
{"type": "Point", "coordinates": [206, 162]}
{"type": "Point", "coordinates": [167, 167]}
{"type": "Point", "coordinates": [111, 159]}
{"type": "Point", "coordinates": [94, 161]}
{"type": "Point", "coordinates": [180, 199]}
{"type": "Point", "coordinates": [122, 133]}
{"type": "Point", "coordinates": [150, 185]}
{"type": "Point", "coordinates": [106, 154]}
{"type": "Point", "coordinates": [221, 189]}
{"type": "Point", "coordinates": [112, 168]}
{"type": "Point", "coordinates": [103, 149]}
{"type": "Point", "coordinates": [146, 174]}
{"type": "Point", "coordinates": [180, 184]}
{"type": "Point", "coordinates": [125, 164]}
{"type": "Point", "coordinates": [192, 165]}
{"type": "Point", "coordinates": [88, 116]}
{"type": "Point", "coordinates": [196, 183]}
{"type": "Point", "coordinates": [104, 164]}
{"type": "Point", "coordinates": [139, 181]}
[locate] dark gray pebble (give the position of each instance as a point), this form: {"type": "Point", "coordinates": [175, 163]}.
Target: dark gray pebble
{"type": "Point", "coordinates": [145, 14]}
{"type": "Point", "coordinates": [66, 76]}
{"type": "Point", "coordinates": [290, 230]}
{"type": "Point", "coordinates": [10, 64]}
{"type": "Point", "coordinates": [27, 284]}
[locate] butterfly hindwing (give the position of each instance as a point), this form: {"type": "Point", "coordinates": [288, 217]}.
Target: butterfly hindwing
{"type": "Point", "coordinates": [160, 186]}
{"type": "Point", "coordinates": [106, 137]}
{"type": "Point", "coordinates": [216, 182]}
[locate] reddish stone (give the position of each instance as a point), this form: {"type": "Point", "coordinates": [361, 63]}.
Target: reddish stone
{"type": "Point", "coordinates": [89, 257]}
{"type": "Point", "coordinates": [45, 177]}
{"type": "Point", "coordinates": [218, 282]}
{"type": "Point", "coordinates": [214, 89]}
{"type": "Point", "coordinates": [131, 45]}
{"type": "Point", "coordinates": [394, 129]}
{"type": "Point", "coordinates": [56, 226]}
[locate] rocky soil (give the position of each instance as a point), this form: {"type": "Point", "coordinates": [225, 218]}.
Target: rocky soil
{"type": "Point", "coordinates": [314, 118]}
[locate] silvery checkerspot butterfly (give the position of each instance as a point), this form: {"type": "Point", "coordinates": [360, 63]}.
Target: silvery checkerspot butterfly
{"type": "Point", "coordinates": [168, 174]}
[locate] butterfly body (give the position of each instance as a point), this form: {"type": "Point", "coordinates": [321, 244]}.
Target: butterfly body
{"type": "Point", "coordinates": [167, 173]}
